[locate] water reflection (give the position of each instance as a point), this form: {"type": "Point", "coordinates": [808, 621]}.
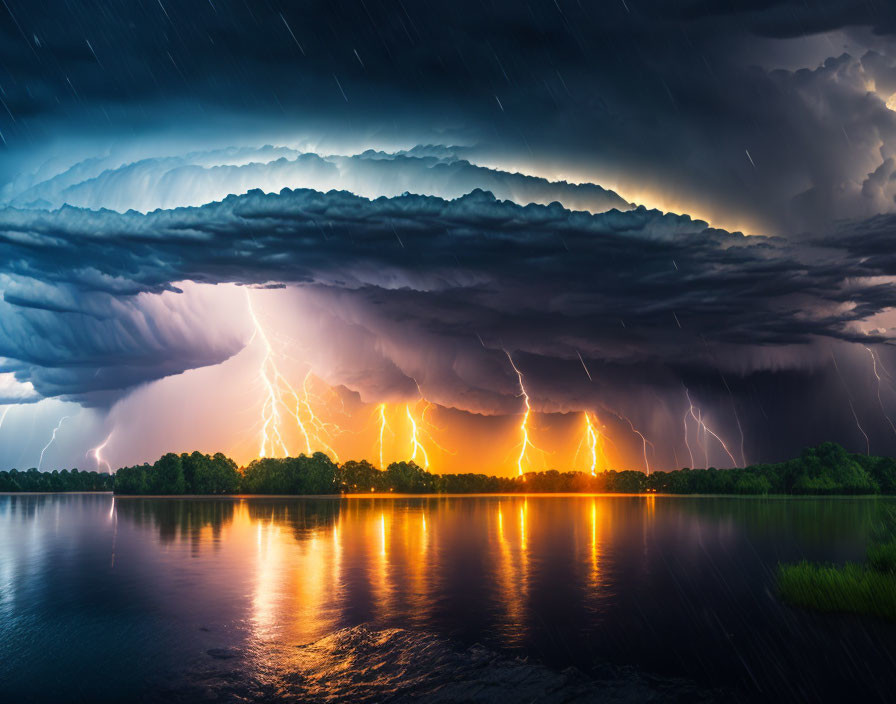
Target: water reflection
{"type": "Point", "coordinates": [677, 586]}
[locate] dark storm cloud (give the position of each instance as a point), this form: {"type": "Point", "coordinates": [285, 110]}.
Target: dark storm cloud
{"type": "Point", "coordinates": [634, 288]}
{"type": "Point", "coordinates": [665, 96]}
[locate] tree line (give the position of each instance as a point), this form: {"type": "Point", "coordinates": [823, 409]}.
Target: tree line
{"type": "Point", "coordinates": [825, 469]}
{"type": "Point", "coordinates": [65, 480]}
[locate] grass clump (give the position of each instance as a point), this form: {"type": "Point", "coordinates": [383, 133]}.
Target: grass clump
{"type": "Point", "coordinates": [882, 557]}
{"type": "Point", "coordinates": [852, 588]}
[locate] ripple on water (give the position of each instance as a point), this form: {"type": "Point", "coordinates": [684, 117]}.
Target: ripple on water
{"type": "Point", "coordinates": [363, 664]}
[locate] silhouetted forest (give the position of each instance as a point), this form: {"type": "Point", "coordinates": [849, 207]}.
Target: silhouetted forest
{"type": "Point", "coordinates": [826, 469]}
{"type": "Point", "coordinates": [66, 480]}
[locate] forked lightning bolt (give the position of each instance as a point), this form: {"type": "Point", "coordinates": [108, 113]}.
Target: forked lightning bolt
{"type": "Point", "coordinates": [851, 407]}
{"type": "Point", "coordinates": [592, 438]}
{"type": "Point", "coordinates": [384, 426]}
{"type": "Point", "coordinates": [420, 430]}
{"type": "Point", "coordinates": [644, 442]}
{"type": "Point", "coordinates": [416, 445]}
{"type": "Point", "coordinates": [271, 436]}
{"type": "Point", "coordinates": [97, 454]}
{"type": "Point", "coordinates": [879, 380]}
{"type": "Point", "coordinates": [525, 444]}
{"type": "Point", "coordinates": [701, 425]}
{"type": "Point", "coordinates": [313, 430]}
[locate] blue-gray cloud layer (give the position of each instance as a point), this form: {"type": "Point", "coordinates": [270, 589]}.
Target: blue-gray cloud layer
{"type": "Point", "coordinates": [745, 109]}
{"type": "Point", "coordinates": [203, 177]}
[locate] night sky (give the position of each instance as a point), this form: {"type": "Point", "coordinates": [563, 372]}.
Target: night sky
{"type": "Point", "coordinates": [677, 217]}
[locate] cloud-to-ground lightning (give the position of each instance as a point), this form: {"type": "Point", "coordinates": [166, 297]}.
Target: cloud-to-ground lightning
{"type": "Point", "coordinates": [421, 428]}
{"type": "Point", "coordinates": [40, 461]}
{"type": "Point", "coordinates": [296, 413]}
{"type": "Point", "coordinates": [314, 431]}
{"type": "Point", "coordinates": [384, 426]}
{"type": "Point", "coordinates": [644, 443]}
{"type": "Point", "coordinates": [526, 443]}
{"type": "Point", "coordinates": [271, 435]}
{"type": "Point", "coordinates": [701, 425]}
{"type": "Point", "coordinates": [687, 443]}
{"type": "Point", "coordinates": [420, 437]}
{"type": "Point", "coordinates": [322, 428]}
{"type": "Point", "coordinates": [740, 429]}
{"type": "Point", "coordinates": [97, 454]}
{"type": "Point", "coordinates": [311, 427]}
{"type": "Point", "coordinates": [592, 438]}
{"type": "Point", "coordinates": [879, 381]}
{"type": "Point", "coordinates": [416, 445]}
{"type": "Point", "coordinates": [851, 407]}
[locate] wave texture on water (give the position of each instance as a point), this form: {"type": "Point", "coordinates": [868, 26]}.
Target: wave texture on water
{"type": "Point", "coordinates": [362, 664]}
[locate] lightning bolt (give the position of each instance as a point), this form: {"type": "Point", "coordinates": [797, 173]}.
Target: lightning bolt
{"type": "Point", "coordinates": [524, 426]}
{"type": "Point", "coordinates": [701, 425]}
{"type": "Point", "coordinates": [416, 445]}
{"type": "Point", "coordinates": [296, 414]}
{"type": "Point", "coordinates": [271, 437]}
{"type": "Point", "coordinates": [384, 426]}
{"type": "Point", "coordinates": [314, 430]}
{"type": "Point", "coordinates": [55, 430]}
{"type": "Point", "coordinates": [851, 407]}
{"type": "Point", "coordinates": [644, 442]}
{"type": "Point", "coordinates": [592, 437]}
{"type": "Point", "coordinates": [322, 428]}
{"type": "Point", "coordinates": [743, 456]}
{"type": "Point", "coordinates": [876, 376]}
{"type": "Point", "coordinates": [97, 454]}
{"type": "Point", "coordinates": [420, 429]}
{"type": "Point", "coordinates": [687, 444]}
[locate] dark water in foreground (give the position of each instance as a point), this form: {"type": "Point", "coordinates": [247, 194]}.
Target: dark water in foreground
{"type": "Point", "coordinates": [442, 599]}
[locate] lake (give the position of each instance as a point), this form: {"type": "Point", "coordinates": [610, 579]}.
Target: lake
{"type": "Point", "coordinates": [495, 598]}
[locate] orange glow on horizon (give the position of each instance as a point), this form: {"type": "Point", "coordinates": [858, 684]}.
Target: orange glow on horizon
{"type": "Point", "coordinates": [444, 440]}
{"type": "Point", "coordinates": [303, 417]}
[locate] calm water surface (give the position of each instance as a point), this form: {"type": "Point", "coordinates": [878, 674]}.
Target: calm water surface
{"type": "Point", "coordinates": [446, 599]}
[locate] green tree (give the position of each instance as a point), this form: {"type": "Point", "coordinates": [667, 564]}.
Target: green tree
{"type": "Point", "coordinates": [829, 469]}
{"type": "Point", "coordinates": [167, 476]}
{"type": "Point", "coordinates": [131, 480]}
{"type": "Point", "coordinates": [212, 475]}
{"type": "Point", "coordinates": [360, 476]}
{"type": "Point", "coordinates": [409, 478]}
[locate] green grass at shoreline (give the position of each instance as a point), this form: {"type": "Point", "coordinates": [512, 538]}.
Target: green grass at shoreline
{"type": "Point", "coordinates": [851, 588]}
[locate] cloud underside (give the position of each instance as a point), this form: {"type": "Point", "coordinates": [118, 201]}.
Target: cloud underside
{"type": "Point", "coordinates": [432, 288]}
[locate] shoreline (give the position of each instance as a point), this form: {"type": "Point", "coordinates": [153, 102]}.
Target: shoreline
{"type": "Point", "coordinates": [392, 495]}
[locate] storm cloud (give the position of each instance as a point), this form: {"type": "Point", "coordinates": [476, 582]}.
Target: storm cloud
{"type": "Point", "coordinates": [768, 116]}
{"type": "Point", "coordinates": [203, 177]}
{"type": "Point", "coordinates": [624, 288]}
{"type": "Point", "coordinates": [450, 184]}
